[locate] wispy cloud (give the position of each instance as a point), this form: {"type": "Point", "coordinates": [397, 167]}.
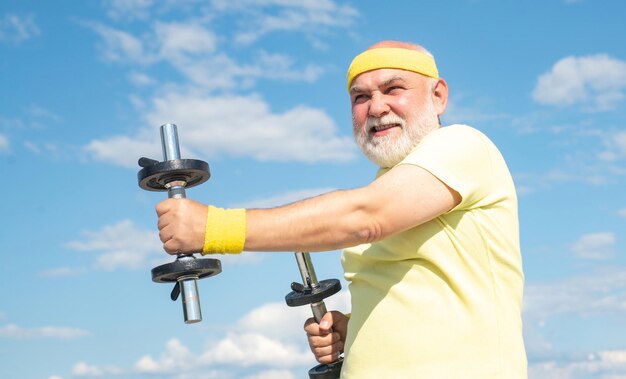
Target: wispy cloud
{"type": "Point", "coordinates": [268, 339]}
{"type": "Point", "coordinates": [242, 126]}
{"type": "Point", "coordinates": [595, 246]}
{"type": "Point", "coordinates": [4, 144]}
{"type": "Point", "coordinates": [602, 291]}
{"type": "Point", "coordinates": [272, 374]}
{"type": "Point", "coordinates": [82, 369]}
{"type": "Point", "coordinates": [17, 29]}
{"type": "Point", "coordinates": [597, 82]}
{"type": "Point", "coordinates": [128, 9]}
{"type": "Point", "coordinates": [284, 198]}
{"type": "Point", "coordinates": [235, 125]}
{"type": "Point", "coordinates": [12, 331]}
{"type": "Point", "coordinates": [599, 293]}
{"type": "Point", "coordinates": [191, 49]}
{"type": "Point", "coordinates": [120, 46]}
{"type": "Point", "coordinates": [615, 144]}
{"type": "Point", "coordinates": [119, 246]}
{"type": "Point", "coordinates": [609, 364]}
{"type": "Point", "coordinates": [479, 112]}
{"type": "Point", "coordinates": [309, 16]}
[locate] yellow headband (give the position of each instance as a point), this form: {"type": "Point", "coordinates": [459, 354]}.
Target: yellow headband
{"type": "Point", "coordinates": [391, 57]}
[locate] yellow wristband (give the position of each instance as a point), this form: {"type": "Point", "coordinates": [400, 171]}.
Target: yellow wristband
{"type": "Point", "coordinates": [225, 231]}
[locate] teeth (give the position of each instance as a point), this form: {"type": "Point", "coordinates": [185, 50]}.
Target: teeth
{"type": "Point", "coordinates": [378, 128]}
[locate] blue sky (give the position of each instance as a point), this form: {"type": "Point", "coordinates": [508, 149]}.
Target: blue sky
{"type": "Point", "coordinates": [257, 89]}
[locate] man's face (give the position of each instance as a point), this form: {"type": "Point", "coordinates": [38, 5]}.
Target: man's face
{"type": "Point", "coordinates": [392, 110]}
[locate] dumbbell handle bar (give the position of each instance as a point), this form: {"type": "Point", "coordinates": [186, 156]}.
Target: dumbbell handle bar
{"type": "Point", "coordinates": [187, 284]}
{"type": "Point", "coordinates": [309, 279]}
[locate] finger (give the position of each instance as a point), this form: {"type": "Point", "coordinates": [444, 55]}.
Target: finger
{"type": "Point", "coordinates": [324, 341]}
{"type": "Point", "coordinates": [165, 206]}
{"type": "Point", "coordinates": [326, 323]}
{"type": "Point", "coordinates": [163, 221]}
{"type": "Point", "coordinates": [171, 247]}
{"type": "Point", "coordinates": [170, 244]}
{"type": "Point", "coordinates": [328, 354]}
{"type": "Point", "coordinates": [311, 327]}
{"type": "Point", "coordinates": [329, 358]}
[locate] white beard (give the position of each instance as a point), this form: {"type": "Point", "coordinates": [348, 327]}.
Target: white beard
{"type": "Point", "coordinates": [389, 150]}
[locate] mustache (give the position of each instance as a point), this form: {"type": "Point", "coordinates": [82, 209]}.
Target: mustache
{"type": "Point", "coordinates": [388, 119]}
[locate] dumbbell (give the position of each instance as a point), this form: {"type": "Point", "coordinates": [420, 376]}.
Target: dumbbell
{"type": "Point", "coordinates": [312, 292]}
{"type": "Point", "coordinates": [173, 175]}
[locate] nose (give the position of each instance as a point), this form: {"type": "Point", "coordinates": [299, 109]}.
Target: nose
{"type": "Point", "coordinates": [378, 106]}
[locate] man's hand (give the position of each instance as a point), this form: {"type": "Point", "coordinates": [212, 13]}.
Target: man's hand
{"type": "Point", "coordinates": [182, 225]}
{"type": "Point", "coordinates": [327, 345]}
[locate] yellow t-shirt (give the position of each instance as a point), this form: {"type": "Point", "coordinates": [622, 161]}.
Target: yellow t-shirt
{"type": "Point", "coordinates": [443, 299]}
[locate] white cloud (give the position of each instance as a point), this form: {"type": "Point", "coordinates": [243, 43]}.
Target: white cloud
{"type": "Point", "coordinates": [176, 357]}
{"type": "Point", "coordinates": [622, 212]}
{"type": "Point", "coordinates": [255, 349]}
{"type": "Point", "coordinates": [191, 49]}
{"type": "Point", "coordinates": [121, 245]}
{"type": "Point", "coordinates": [599, 292]}
{"type": "Point", "coordinates": [125, 151]}
{"type": "Point", "coordinates": [308, 16]}
{"type": "Point", "coordinates": [234, 125]}
{"type": "Point", "coordinates": [284, 198]}
{"type": "Point", "coordinates": [82, 369]}
{"type": "Point", "coordinates": [55, 377]}
{"type": "Point", "coordinates": [13, 331]}
{"type": "Point", "coordinates": [232, 353]}
{"type": "Point", "coordinates": [60, 272]}
{"type": "Point", "coordinates": [220, 71]}
{"type": "Point", "coordinates": [121, 46]}
{"type": "Point", "coordinates": [181, 39]}
{"type": "Point", "coordinates": [16, 29]}
{"type": "Point", "coordinates": [457, 113]}
{"type": "Point", "coordinates": [4, 144]}
{"type": "Point", "coordinates": [615, 147]}
{"type": "Point", "coordinates": [128, 9]}
{"type": "Point", "coordinates": [270, 338]}
{"type": "Point", "coordinates": [272, 374]}
{"type": "Point", "coordinates": [51, 150]}
{"type": "Point", "coordinates": [595, 246]}
{"type": "Point", "coordinates": [140, 79]}
{"type": "Point", "coordinates": [595, 81]}
{"type": "Point", "coordinates": [601, 365]}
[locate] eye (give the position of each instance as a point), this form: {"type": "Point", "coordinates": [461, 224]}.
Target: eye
{"type": "Point", "coordinates": [359, 98]}
{"type": "Point", "coordinates": [394, 89]}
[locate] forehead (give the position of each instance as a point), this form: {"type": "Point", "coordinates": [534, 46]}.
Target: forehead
{"type": "Point", "coordinates": [381, 76]}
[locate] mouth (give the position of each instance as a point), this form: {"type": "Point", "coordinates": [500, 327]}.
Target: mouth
{"type": "Point", "coordinates": [381, 129]}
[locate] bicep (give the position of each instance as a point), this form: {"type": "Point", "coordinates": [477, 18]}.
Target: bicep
{"type": "Point", "coordinates": [407, 196]}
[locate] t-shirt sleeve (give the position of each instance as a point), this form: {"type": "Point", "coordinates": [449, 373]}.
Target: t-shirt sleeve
{"type": "Point", "coordinates": [460, 157]}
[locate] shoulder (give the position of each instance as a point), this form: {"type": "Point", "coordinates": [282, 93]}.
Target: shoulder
{"type": "Point", "coordinates": [454, 141]}
{"type": "Point", "coordinates": [456, 132]}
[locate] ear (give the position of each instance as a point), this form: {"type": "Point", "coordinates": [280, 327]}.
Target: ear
{"type": "Point", "coordinates": [440, 96]}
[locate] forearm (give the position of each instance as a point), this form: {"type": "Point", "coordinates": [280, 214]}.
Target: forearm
{"type": "Point", "coordinates": [331, 221]}
{"type": "Point", "coordinates": [401, 199]}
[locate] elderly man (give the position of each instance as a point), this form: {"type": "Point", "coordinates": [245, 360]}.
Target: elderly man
{"type": "Point", "coordinates": [431, 245]}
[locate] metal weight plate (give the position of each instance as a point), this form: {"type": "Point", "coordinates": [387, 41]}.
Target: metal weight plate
{"type": "Point", "coordinates": [170, 272]}
{"type": "Point", "coordinates": [326, 288]}
{"type": "Point", "coordinates": [329, 371]}
{"type": "Point", "coordinates": [155, 177]}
